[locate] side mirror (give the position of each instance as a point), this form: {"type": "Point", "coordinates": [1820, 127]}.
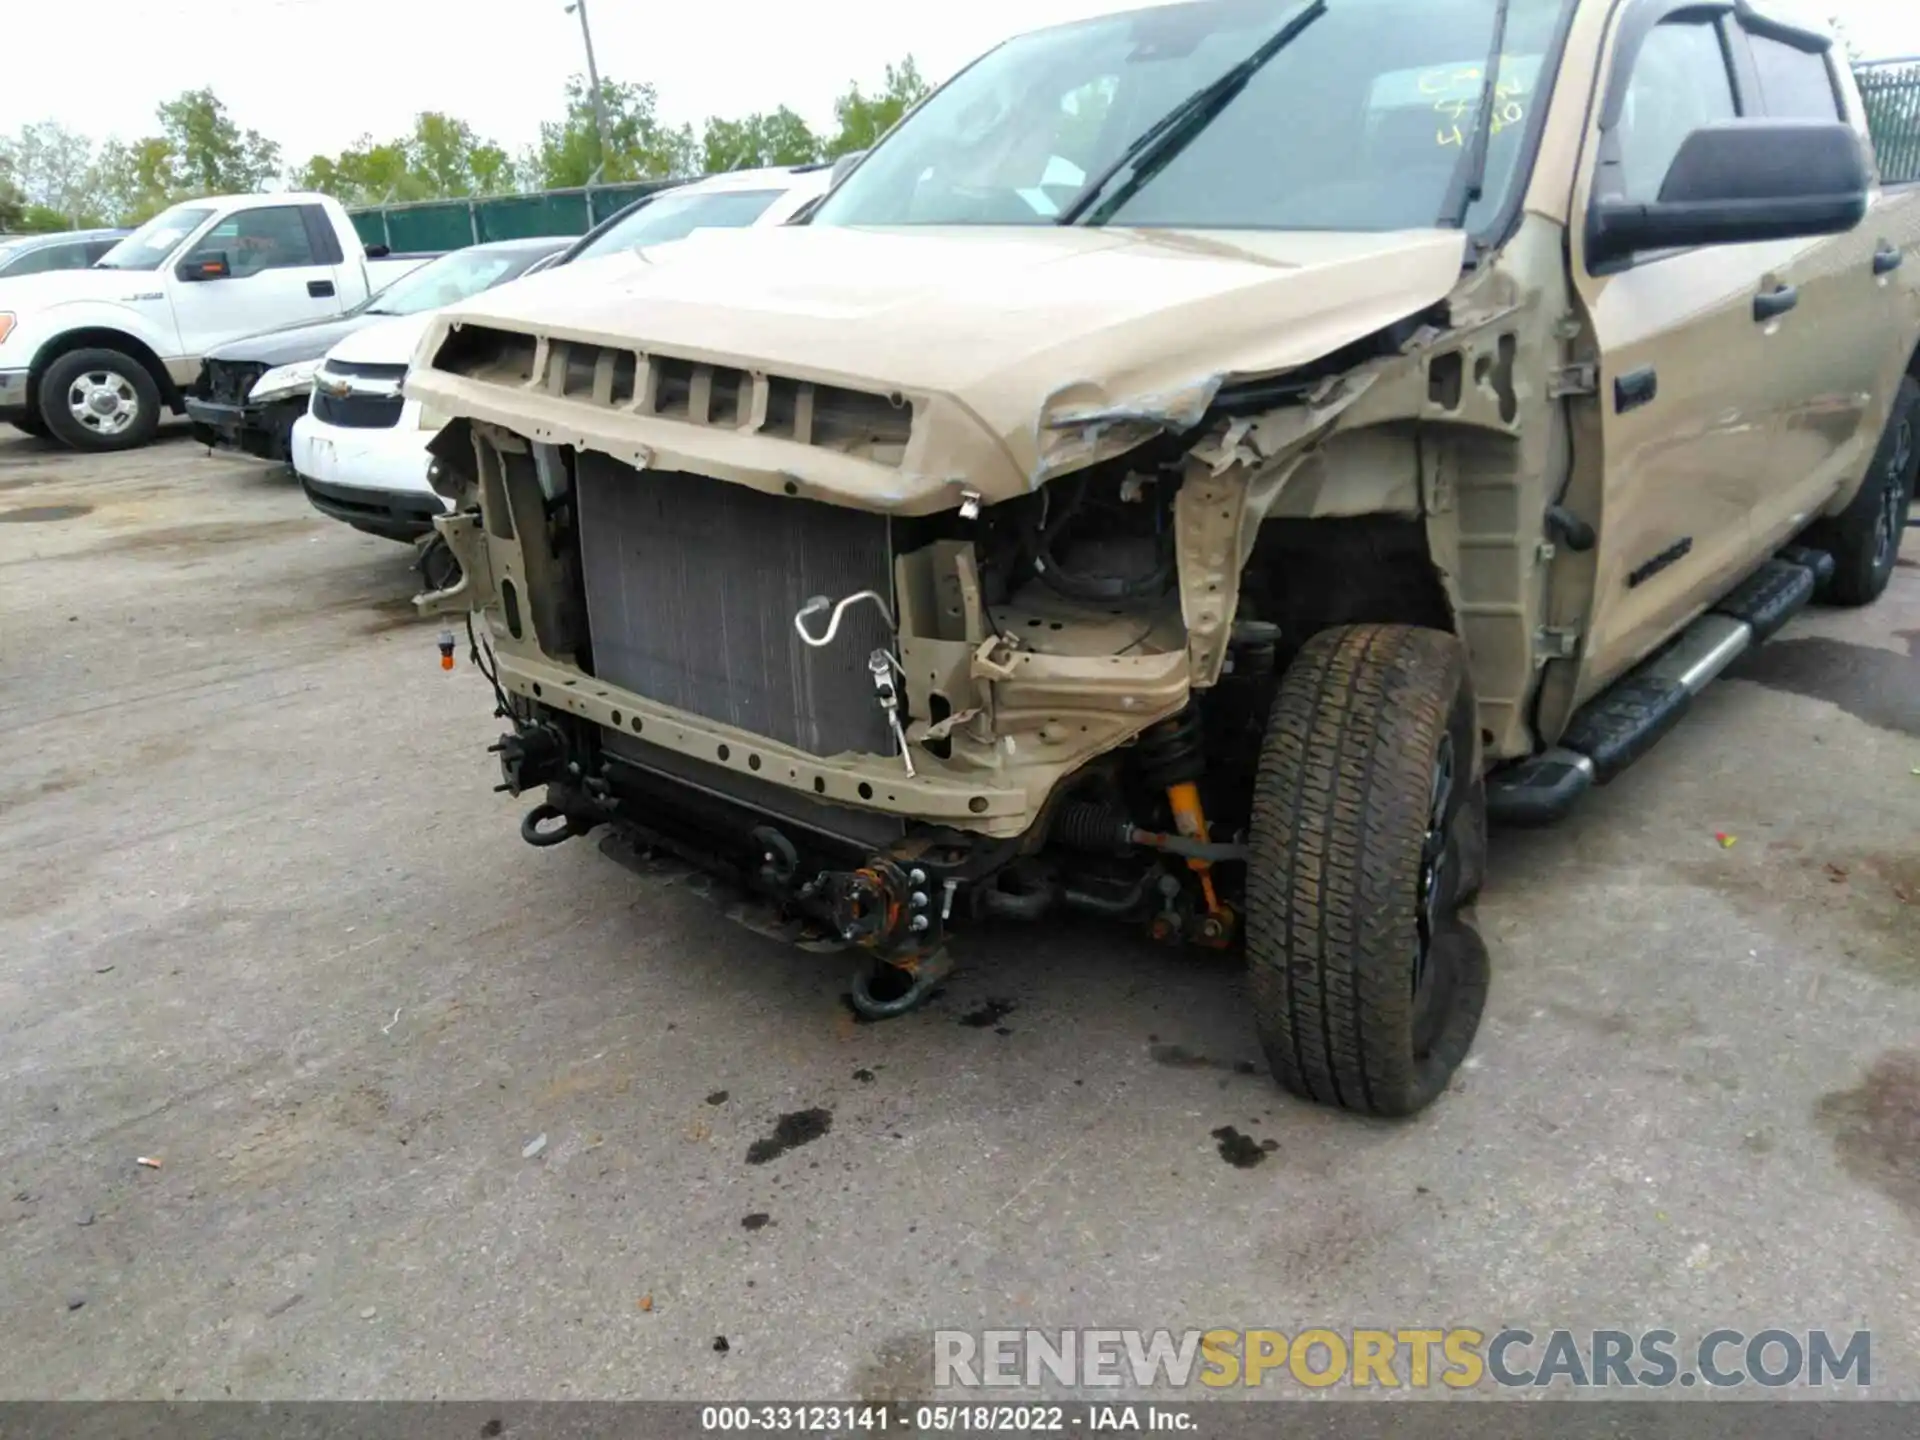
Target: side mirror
{"type": "Point", "coordinates": [844, 166]}
{"type": "Point", "coordinates": [1737, 182]}
{"type": "Point", "coordinates": [205, 267]}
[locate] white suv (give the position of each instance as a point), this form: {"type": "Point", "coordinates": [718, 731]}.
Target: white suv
{"type": "Point", "coordinates": [361, 449]}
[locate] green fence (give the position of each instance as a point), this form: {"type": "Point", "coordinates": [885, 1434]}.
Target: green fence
{"type": "Point", "coordinates": [433, 225]}
{"type": "Point", "coordinates": [1891, 90]}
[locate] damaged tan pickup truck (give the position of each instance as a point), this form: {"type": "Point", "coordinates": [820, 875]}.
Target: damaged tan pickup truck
{"type": "Point", "coordinates": [1197, 468]}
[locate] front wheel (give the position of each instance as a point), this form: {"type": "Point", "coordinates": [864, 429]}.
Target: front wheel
{"type": "Point", "coordinates": [1368, 844]}
{"type": "Point", "coordinates": [99, 400]}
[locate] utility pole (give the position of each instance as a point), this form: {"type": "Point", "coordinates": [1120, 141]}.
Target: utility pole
{"type": "Point", "coordinates": [593, 79]}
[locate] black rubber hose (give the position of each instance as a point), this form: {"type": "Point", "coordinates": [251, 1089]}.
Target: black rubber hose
{"type": "Point", "coordinates": [1104, 588]}
{"type": "Point", "coordinates": [1007, 905]}
{"type": "Point", "coordinates": [1101, 905]}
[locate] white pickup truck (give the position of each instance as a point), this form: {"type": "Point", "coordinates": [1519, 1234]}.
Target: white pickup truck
{"type": "Point", "coordinates": [93, 357]}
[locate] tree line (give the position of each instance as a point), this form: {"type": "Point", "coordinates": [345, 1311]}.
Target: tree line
{"type": "Point", "coordinates": [55, 178]}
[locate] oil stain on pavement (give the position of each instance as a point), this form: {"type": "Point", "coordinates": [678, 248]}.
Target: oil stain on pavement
{"type": "Point", "coordinates": [1242, 1152]}
{"type": "Point", "coordinates": [1876, 1128]}
{"type": "Point", "coordinates": [1877, 686]}
{"type": "Point", "coordinates": [988, 1015]}
{"type": "Point", "coordinates": [801, 1127]}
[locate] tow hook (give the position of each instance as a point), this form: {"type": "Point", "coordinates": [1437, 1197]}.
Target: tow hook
{"type": "Point", "coordinates": [538, 829]}
{"type": "Point", "coordinates": [897, 915]}
{"type": "Point", "coordinates": [887, 989]}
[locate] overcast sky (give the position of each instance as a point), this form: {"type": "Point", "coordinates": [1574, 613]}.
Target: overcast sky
{"type": "Point", "coordinates": [317, 74]}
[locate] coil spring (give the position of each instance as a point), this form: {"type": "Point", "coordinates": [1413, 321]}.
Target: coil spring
{"type": "Point", "coordinates": [1174, 751]}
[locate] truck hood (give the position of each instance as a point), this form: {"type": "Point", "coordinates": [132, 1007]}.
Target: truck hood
{"type": "Point", "coordinates": [383, 340]}
{"type": "Point", "coordinates": [307, 340]}
{"type": "Point", "coordinates": [1032, 334]}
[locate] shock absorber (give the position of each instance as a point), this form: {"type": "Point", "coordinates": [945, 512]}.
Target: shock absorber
{"type": "Point", "coordinates": [1173, 755]}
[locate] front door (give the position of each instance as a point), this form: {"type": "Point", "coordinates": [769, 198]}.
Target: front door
{"type": "Point", "coordinates": [1684, 413]}
{"type": "Point", "coordinates": [273, 278]}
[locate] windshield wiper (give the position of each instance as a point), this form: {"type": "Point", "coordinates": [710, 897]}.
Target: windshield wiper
{"type": "Point", "coordinates": [1469, 180]}
{"type": "Point", "coordinates": [1175, 130]}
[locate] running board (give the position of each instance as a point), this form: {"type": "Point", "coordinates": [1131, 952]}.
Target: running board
{"type": "Point", "coordinates": [1628, 719]}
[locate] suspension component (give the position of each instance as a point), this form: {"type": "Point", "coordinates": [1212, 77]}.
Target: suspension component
{"type": "Point", "coordinates": [1099, 831]}
{"type": "Point", "coordinates": [1173, 755]}
{"type": "Point", "coordinates": [1174, 751]}
{"type": "Point", "coordinates": [1216, 926]}
{"type": "Point", "coordinates": [1092, 828]}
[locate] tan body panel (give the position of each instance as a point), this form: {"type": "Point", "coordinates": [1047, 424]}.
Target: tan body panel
{"type": "Point", "coordinates": [1028, 353]}
{"type": "Point", "coordinates": [1036, 355]}
{"type": "Point", "coordinates": [1757, 428]}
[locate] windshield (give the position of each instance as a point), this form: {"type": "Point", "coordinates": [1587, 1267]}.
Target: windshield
{"type": "Point", "coordinates": [1357, 125]}
{"type": "Point", "coordinates": [674, 217]}
{"type": "Point", "coordinates": [148, 247]}
{"type": "Point", "coordinates": [449, 280]}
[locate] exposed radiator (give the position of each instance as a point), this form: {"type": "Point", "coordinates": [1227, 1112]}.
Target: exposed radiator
{"type": "Point", "coordinates": [692, 585]}
{"type": "Point", "coordinates": [229, 382]}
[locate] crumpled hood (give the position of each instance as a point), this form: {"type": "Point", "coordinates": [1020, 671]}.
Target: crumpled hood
{"type": "Point", "coordinates": [385, 340]}
{"type": "Point", "coordinates": [308, 340]}
{"type": "Point", "coordinates": [1030, 330]}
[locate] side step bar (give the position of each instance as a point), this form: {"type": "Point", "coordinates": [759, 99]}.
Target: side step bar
{"type": "Point", "coordinates": [1624, 722]}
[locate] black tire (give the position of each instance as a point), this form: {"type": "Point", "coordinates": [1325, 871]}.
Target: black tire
{"type": "Point", "coordinates": [1367, 979]}
{"type": "Point", "coordinates": [32, 425]}
{"type": "Point", "coordinates": [1864, 539]}
{"type": "Point", "coordinates": [115, 375]}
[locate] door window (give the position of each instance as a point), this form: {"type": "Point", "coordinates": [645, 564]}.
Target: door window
{"type": "Point", "coordinates": [254, 240]}
{"type": "Point", "coordinates": [1680, 83]}
{"type": "Point", "coordinates": [1794, 84]}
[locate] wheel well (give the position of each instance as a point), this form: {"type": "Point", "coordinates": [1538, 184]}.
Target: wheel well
{"type": "Point", "coordinates": [101, 338]}
{"type": "Point", "coordinates": [1311, 575]}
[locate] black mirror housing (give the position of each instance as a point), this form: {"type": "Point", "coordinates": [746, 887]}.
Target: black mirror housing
{"type": "Point", "coordinates": [1739, 182]}
{"type": "Point", "coordinates": [206, 267]}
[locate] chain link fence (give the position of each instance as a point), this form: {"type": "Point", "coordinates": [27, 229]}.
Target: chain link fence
{"type": "Point", "coordinates": [1891, 90]}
